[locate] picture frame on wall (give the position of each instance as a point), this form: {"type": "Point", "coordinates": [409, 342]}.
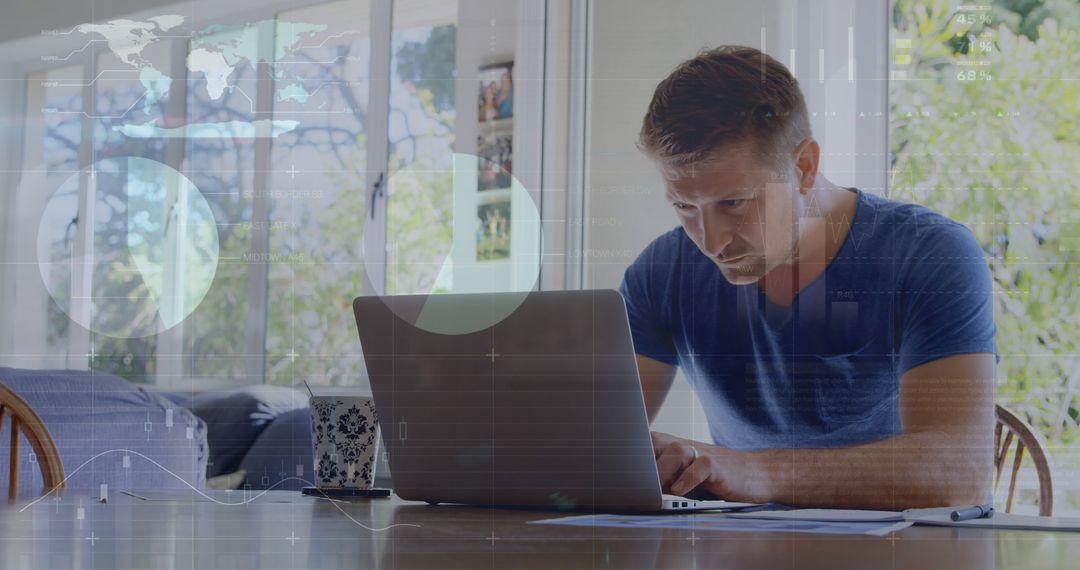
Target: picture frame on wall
{"type": "Point", "coordinates": [496, 162]}
{"type": "Point", "coordinates": [496, 91]}
{"type": "Point", "coordinates": [493, 233]}
{"type": "Point", "coordinates": [495, 151]}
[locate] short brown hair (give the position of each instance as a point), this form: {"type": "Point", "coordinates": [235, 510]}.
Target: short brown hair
{"type": "Point", "coordinates": [729, 94]}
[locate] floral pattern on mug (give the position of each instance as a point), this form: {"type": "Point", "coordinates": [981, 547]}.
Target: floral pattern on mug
{"type": "Point", "coordinates": [322, 412]}
{"type": "Point", "coordinates": [328, 470]}
{"type": "Point", "coordinates": [352, 424]}
{"type": "Point", "coordinates": [345, 437]}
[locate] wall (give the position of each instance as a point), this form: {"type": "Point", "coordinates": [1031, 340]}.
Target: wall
{"type": "Point", "coordinates": [492, 32]}
{"type": "Point", "coordinates": [9, 125]}
{"type": "Point", "coordinates": [847, 98]}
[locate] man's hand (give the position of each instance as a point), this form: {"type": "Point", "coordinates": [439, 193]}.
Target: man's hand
{"type": "Point", "coordinates": [686, 465]}
{"type": "Point", "coordinates": [943, 457]}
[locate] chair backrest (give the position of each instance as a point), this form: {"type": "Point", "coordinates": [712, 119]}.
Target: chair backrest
{"type": "Point", "coordinates": [26, 422]}
{"type": "Point", "coordinates": [1015, 429]}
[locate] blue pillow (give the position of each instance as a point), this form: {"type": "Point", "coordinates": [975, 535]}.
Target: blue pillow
{"type": "Point", "coordinates": [235, 418]}
{"type": "Point", "coordinates": [282, 454]}
{"type": "Point", "coordinates": [107, 431]}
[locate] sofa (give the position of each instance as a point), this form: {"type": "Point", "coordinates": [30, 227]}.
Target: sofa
{"type": "Point", "coordinates": [259, 436]}
{"type": "Point", "coordinates": [110, 431]}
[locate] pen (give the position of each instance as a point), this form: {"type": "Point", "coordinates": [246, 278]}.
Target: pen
{"type": "Point", "coordinates": [974, 512]}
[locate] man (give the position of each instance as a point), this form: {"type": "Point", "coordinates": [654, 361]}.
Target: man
{"type": "Point", "coordinates": [841, 344]}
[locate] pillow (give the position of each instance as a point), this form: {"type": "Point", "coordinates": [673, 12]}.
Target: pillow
{"type": "Point", "coordinates": [282, 454]}
{"type": "Point", "coordinates": [235, 418]}
{"type": "Point", "coordinates": [179, 398]}
{"type": "Point", "coordinates": [107, 431]}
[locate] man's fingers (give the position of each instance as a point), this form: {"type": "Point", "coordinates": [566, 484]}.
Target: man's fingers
{"type": "Point", "coordinates": [659, 442]}
{"type": "Point", "coordinates": [695, 474]}
{"type": "Point", "coordinates": [668, 466]}
{"type": "Point", "coordinates": [671, 462]}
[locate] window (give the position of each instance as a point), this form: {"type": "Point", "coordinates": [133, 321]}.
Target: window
{"type": "Point", "coordinates": [124, 310]}
{"type": "Point", "coordinates": [291, 124]}
{"type": "Point", "coordinates": [50, 156]}
{"type": "Point", "coordinates": [317, 215]}
{"type": "Point", "coordinates": [982, 125]}
{"type": "Point", "coordinates": [421, 131]}
{"type": "Point", "coordinates": [214, 338]}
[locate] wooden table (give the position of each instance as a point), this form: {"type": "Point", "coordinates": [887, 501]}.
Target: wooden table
{"type": "Point", "coordinates": [287, 530]}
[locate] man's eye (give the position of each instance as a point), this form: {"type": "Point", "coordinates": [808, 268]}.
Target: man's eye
{"type": "Point", "coordinates": [681, 206]}
{"type": "Point", "coordinates": [733, 203]}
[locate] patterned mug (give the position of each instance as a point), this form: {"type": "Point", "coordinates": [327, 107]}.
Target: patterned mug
{"type": "Point", "coordinates": [345, 434]}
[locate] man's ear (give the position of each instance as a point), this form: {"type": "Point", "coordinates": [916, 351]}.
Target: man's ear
{"type": "Point", "coordinates": [807, 156]}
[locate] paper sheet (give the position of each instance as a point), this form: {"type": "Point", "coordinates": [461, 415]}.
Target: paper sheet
{"type": "Point", "coordinates": [824, 515]}
{"type": "Point", "coordinates": [719, 522]}
{"type": "Point", "coordinates": [933, 517]}
{"type": "Point", "coordinates": [1002, 521]}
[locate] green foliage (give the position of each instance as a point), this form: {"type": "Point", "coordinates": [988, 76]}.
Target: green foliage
{"type": "Point", "coordinates": [311, 333]}
{"type": "Point", "coordinates": [419, 227]}
{"type": "Point", "coordinates": [420, 201]}
{"type": "Point", "coordinates": [999, 155]}
{"type": "Point", "coordinates": [1024, 17]}
{"type": "Point", "coordinates": [430, 65]}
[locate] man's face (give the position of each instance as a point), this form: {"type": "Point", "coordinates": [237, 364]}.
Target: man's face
{"type": "Point", "coordinates": [739, 211]}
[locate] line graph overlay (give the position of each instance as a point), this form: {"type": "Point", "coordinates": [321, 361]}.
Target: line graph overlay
{"type": "Point", "coordinates": [208, 497]}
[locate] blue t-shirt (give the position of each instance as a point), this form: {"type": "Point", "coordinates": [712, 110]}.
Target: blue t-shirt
{"type": "Point", "coordinates": [907, 286]}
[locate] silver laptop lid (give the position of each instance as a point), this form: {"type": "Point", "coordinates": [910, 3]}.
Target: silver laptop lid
{"type": "Point", "coordinates": [542, 409]}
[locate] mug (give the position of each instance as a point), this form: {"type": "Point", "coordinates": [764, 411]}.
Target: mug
{"type": "Point", "coordinates": [345, 438]}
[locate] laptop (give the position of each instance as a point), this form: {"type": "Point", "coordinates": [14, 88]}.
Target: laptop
{"type": "Point", "coordinates": [513, 399]}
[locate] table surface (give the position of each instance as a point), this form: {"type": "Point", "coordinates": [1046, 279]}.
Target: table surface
{"type": "Point", "coordinates": [288, 530]}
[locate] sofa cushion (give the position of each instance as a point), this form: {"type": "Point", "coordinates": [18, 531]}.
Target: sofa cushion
{"type": "Point", "coordinates": [107, 430]}
{"type": "Point", "coordinates": [235, 418]}
{"type": "Point", "coordinates": [281, 457]}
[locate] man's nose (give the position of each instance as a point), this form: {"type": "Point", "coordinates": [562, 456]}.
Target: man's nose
{"type": "Point", "coordinates": [715, 235]}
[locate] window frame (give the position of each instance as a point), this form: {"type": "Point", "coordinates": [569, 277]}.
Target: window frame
{"type": "Point", "coordinates": [77, 356]}
{"type": "Point", "coordinates": [173, 362]}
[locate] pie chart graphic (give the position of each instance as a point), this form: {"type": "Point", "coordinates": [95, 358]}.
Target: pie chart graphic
{"type": "Point", "coordinates": [468, 227]}
{"type": "Point", "coordinates": [127, 247]}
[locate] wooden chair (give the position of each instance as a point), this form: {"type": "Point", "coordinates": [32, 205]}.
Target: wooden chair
{"type": "Point", "coordinates": [24, 420]}
{"type": "Point", "coordinates": [1026, 438]}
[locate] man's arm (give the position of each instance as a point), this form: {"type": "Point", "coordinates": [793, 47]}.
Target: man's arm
{"type": "Point", "coordinates": [943, 457]}
{"type": "Point", "coordinates": [656, 380]}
